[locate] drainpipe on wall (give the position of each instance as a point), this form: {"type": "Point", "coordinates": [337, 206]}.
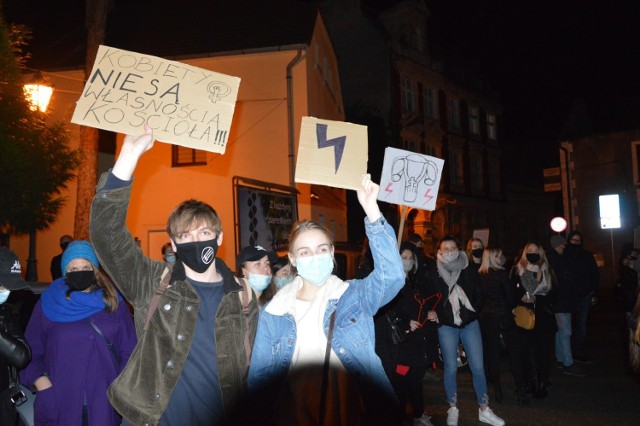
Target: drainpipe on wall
{"type": "Point", "coordinates": [290, 113]}
{"type": "Point", "coordinates": [567, 165]}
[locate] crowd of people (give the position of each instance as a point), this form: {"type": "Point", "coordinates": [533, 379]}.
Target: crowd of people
{"type": "Point", "coordinates": [120, 338]}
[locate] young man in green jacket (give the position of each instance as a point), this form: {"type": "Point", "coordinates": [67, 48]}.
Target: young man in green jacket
{"type": "Point", "coordinates": [189, 367]}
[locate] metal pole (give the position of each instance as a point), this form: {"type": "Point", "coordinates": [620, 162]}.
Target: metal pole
{"type": "Point", "coordinates": [613, 259]}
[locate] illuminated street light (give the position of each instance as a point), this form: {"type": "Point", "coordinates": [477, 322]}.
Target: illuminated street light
{"type": "Point", "coordinates": [38, 93]}
{"type": "Point", "coordinates": [558, 224]}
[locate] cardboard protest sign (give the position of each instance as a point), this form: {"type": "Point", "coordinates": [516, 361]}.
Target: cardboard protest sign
{"type": "Point", "coordinates": [331, 153]}
{"type": "Point", "coordinates": [183, 104]}
{"type": "Point", "coordinates": [410, 179]}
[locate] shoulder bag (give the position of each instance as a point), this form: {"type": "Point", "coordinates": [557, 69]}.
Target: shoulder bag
{"type": "Point", "coordinates": [524, 317]}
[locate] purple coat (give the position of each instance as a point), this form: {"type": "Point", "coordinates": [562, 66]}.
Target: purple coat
{"type": "Point", "coordinates": [79, 364]}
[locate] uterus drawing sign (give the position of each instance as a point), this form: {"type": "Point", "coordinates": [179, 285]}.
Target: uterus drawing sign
{"type": "Point", "coordinates": [410, 178]}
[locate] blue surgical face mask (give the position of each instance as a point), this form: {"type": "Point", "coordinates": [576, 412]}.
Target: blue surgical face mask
{"type": "Point", "coordinates": [282, 281]}
{"type": "Point", "coordinates": [315, 269]}
{"type": "Point", "coordinates": [4, 295]}
{"type": "Point", "coordinates": [170, 258]}
{"type": "Point", "coordinates": [259, 282]}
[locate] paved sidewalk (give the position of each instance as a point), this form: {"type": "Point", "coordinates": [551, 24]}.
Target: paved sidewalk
{"type": "Point", "coordinates": [609, 395]}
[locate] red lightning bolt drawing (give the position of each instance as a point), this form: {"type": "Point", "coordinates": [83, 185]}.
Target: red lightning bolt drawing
{"type": "Point", "coordinates": [388, 188]}
{"type": "Point", "coordinates": [427, 196]}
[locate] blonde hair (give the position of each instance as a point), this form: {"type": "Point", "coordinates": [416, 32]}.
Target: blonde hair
{"type": "Point", "coordinates": [542, 263]}
{"type": "Point", "coordinates": [303, 226]}
{"type": "Point", "coordinates": [490, 260]}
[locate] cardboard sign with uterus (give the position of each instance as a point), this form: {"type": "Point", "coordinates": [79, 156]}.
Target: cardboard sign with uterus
{"type": "Point", "coordinates": [410, 179]}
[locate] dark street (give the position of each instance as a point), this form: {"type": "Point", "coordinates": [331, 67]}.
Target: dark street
{"type": "Point", "coordinates": [609, 395]}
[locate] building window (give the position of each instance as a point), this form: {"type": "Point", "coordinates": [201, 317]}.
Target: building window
{"type": "Point", "coordinates": [492, 131]}
{"type": "Point", "coordinates": [430, 150]}
{"type": "Point", "coordinates": [430, 103]}
{"type": "Point", "coordinates": [183, 156]}
{"type": "Point", "coordinates": [408, 95]}
{"type": "Point", "coordinates": [477, 175]}
{"type": "Point", "coordinates": [456, 169]}
{"type": "Point", "coordinates": [474, 119]}
{"type": "Point", "coordinates": [416, 40]}
{"type": "Point", "coordinates": [454, 114]}
{"type": "Point", "coordinates": [408, 145]}
{"type": "Point", "coordinates": [494, 176]}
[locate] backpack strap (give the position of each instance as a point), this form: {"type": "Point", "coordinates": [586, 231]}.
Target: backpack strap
{"type": "Point", "coordinates": [160, 289]}
{"type": "Point", "coordinates": [245, 311]}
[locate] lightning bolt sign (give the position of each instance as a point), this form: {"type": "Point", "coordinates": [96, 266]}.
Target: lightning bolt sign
{"type": "Point", "coordinates": [337, 143]}
{"type": "Point", "coordinates": [427, 196]}
{"type": "Point", "coordinates": [388, 188]}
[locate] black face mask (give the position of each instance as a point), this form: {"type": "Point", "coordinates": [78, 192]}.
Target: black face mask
{"type": "Point", "coordinates": [533, 257]}
{"type": "Point", "coordinates": [477, 252]}
{"type": "Point", "coordinates": [63, 246]}
{"type": "Point", "coordinates": [80, 280]}
{"type": "Point", "coordinates": [198, 255]}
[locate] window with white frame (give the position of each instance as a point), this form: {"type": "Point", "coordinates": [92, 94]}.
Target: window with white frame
{"type": "Point", "coordinates": [474, 119]}
{"type": "Point", "coordinates": [492, 131]}
{"type": "Point", "coordinates": [454, 113]}
{"type": "Point", "coordinates": [430, 101]}
{"type": "Point", "coordinates": [408, 95]}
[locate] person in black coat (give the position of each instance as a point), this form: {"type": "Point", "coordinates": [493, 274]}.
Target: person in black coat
{"type": "Point", "coordinates": [496, 319]}
{"type": "Point", "coordinates": [14, 350]}
{"type": "Point", "coordinates": [584, 269]}
{"type": "Point", "coordinates": [533, 288]}
{"type": "Point", "coordinates": [457, 317]}
{"type": "Point", "coordinates": [565, 306]}
{"type": "Point", "coordinates": [410, 318]}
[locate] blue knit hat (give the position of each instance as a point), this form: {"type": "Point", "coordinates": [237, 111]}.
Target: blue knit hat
{"type": "Point", "coordinates": [78, 250]}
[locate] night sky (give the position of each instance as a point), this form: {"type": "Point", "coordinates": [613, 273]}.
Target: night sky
{"type": "Point", "coordinates": [546, 59]}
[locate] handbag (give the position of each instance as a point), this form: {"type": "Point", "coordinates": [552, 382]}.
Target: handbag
{"type": "Point", "coordinates": [524, 317]}
{"type": "Point", "coordinates": [112, 349]}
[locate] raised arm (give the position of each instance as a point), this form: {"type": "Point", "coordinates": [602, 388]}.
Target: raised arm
{"type": "Point", "coordinates": [132, 149]}
{"type": "Point", "coordinates": [368, 198]}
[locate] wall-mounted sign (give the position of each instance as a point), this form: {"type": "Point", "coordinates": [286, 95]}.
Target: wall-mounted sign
{"type": "Point", "coordinates": [264, 214]}
{"type": "Point", "coordinates": [609, 211]}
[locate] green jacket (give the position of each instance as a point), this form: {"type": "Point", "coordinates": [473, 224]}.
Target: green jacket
{"type": "Point", "coordinates": [142, 391]}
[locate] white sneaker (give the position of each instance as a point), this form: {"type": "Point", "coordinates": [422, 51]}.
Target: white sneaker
{"type": "Point", "coordinates": [423, 420]}
{"type": "Point", "coordinates": [452, 416]}
{"type": "Point", "coordinates": [488, 416]}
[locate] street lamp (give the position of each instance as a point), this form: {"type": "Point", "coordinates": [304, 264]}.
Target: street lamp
{"type": "Point", "coordinates": [38, 92]}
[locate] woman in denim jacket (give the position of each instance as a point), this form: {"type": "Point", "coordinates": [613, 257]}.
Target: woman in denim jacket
{"type": "Point", "coordinates": [291, 340]}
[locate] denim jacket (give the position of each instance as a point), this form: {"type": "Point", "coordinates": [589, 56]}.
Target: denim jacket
{"type": "Point", "coordinates": [355, 303]}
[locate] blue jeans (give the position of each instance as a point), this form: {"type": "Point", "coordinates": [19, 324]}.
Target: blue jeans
{"type": "Point", "coordinates": [563, 339]}
{"type": "Point", "coordinates": [471, 338]}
